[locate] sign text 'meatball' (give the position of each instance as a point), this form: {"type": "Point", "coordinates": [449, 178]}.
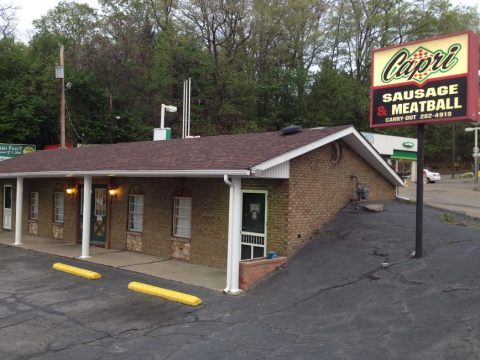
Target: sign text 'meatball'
{"type": "Point", "coordinates": [429, 81]}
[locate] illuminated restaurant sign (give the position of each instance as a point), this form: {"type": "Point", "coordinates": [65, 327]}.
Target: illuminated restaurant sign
{"type": "Point", "coordinates": [429, 81]}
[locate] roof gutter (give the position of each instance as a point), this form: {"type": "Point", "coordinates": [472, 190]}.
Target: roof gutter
{"type": "Point", "coordinates": [127, 173]}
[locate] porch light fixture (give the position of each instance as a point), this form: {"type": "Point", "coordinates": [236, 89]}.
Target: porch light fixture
{"type": "Point", "coordinates": [70, 191]}
{"type": "Point", "coordinates": [112, 192]}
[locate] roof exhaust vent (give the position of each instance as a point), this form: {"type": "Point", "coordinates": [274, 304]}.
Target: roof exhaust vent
{"type": "Point", "coordinates": [290, 130]}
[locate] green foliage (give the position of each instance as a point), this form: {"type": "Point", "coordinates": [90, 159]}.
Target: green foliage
{"type": "Point", "coordinates": [449, 219]}
{"type": "Point", "coordinates": [255, 66]}
{"type": "Point", "coordinates": [336, 99]}
{"type": "Point", "coordinates": [21, 103]}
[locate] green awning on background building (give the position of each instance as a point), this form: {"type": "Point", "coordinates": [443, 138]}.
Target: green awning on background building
{"type": "Point", "coordinates": [405, 155]}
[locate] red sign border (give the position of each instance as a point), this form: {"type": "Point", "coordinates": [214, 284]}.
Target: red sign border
{"type": "Point", "coordinates": [472, 83]}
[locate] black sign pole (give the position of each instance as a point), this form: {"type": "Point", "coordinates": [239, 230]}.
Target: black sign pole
{"type": "Point", "coordinates": [420, 162]}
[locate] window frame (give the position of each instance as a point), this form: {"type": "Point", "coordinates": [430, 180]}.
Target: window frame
{"type": "Point", "coordinates": [33, 206]}
{"type": "Point", "coordinates": [188, 217]}
{"type": "Point", "coordinates": [55, 207]}
{"type": "Point", "coordinates": [81, 201]}
{"type": "Point", "coordinates": [254, 234]}
{"type": "Point", "coordinates": [100, 208]}
{"type": "Point", "coordinates": [132, 213]}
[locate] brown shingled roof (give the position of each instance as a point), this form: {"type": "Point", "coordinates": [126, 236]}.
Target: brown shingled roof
{"type": "Point", "coordinates": [206, 153]}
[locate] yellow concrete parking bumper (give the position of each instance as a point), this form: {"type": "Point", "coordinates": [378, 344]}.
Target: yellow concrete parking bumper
{"type": "Point", "coordinates": [91, 275]}
{"type": "Point", "coordinates": [165, 293]}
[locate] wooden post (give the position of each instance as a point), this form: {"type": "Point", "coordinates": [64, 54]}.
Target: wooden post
{"type": "Point", "coordinates": [110, 114]}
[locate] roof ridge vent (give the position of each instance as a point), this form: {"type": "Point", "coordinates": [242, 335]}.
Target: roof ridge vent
{"type": "Point", "coordinates": [290, 130]}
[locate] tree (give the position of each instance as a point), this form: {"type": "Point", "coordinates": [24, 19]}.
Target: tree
{"type": "Point", "coordinates": [8, 19]}
{"type": "Point", "coordinates": [255, 65]}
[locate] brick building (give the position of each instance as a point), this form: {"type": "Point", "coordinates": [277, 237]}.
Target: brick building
{"type": "Point", "coordinates": [210, 201]}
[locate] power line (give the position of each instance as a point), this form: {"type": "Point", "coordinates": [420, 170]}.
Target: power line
{"type": "Point", "coordinates": [82, 139]}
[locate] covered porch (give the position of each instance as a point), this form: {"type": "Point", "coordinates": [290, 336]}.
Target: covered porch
{"type": "Point", "coordinates": [163, 267]}
{"type": "Point", "coordinates": [88, 221]}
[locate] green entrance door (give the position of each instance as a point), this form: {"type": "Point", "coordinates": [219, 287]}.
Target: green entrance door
{"type": "Point", "coordinates": [98, 220]}
{"type": "Point", "coordinates": [254, 224]}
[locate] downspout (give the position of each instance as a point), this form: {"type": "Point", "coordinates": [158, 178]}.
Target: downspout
{"type": "Point", "coordinates": [400, 197]}
{"type": "Point", "coordinates": [230, 238]}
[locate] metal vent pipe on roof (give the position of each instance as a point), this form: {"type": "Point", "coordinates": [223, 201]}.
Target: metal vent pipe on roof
{"type": "Point", "coordinates": [290, 130]}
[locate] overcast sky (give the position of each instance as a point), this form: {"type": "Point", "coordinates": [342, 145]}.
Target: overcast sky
{"type": "Point", "coordinates": [34, 9]}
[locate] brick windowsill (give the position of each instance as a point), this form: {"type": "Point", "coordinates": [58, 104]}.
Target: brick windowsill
{"type": "Point", "coordinates": [134, 233]}
{"type": "Point", "coordinates": [263, 260]}
{"type": "Point", "coordinates": [180, 239]}
{"type": "Point", "coordinates": [58, 224]}
{"type": "Point", "coordinates": [32, 221]}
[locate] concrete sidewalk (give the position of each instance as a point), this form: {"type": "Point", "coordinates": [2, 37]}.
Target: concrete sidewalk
{"type": "Point", "coordinates": [448, 194]}
{"type": "Point", "coordinates": [161, 267]}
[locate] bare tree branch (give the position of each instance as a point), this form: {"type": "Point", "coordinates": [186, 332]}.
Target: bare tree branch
{"type": "Point", "coordinates": [8, 19]}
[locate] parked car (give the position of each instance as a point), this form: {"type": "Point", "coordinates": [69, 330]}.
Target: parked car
{"type": "Point", "coordinates": [431, 176]}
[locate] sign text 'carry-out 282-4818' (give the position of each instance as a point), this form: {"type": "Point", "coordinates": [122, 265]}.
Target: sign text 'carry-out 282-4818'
{"type": "Point", "coordinates": [430, 81]}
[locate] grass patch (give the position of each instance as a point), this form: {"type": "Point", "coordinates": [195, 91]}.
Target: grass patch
{"type": "Point", "coordinates": [462, 219]}
{"type": "Point", "coordinates": [449, 219]}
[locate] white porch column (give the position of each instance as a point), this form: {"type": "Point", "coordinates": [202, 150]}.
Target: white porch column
{"type": "Point", "coordinates": [236, 246]}
{"type": "Point", "coordinates": [230, 233]}
{"type": "Point", "coordinates": [18, 212]}
{"type": "Point", "coordinates": [87, 216]}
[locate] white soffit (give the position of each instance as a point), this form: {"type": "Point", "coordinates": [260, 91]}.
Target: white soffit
{"type": "Point", "coordinates": [280, 171]}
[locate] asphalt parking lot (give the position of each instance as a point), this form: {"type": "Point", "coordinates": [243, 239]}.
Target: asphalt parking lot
{"type": "Point", "coordinates": [332, 301]}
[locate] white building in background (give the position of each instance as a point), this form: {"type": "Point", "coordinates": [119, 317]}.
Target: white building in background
{"type": "Point", "coordinates": [400, 152]}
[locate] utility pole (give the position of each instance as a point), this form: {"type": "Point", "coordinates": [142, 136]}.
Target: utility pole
{"type": "Point", "coordinates": [62, 103]}
{"type": "Point", "coordinates": [419, 215]}
{"type": "Point", "coordinates": [110, 114]}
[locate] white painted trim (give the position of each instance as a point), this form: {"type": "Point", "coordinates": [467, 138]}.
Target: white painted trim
{"type": "Point", "coordinates": [18, 212]}
{"type": "Point", "coordinates": [127, 173]}
{"type": "Point", "coordinates": [343, 134]}
{"type": "Point", "coordinates": [230, 235]}
{"type": "Point", "coordinates": [87, 216]}
{"type": "Point", "coordinates": [244, 191]}
{"type": "Point", "coordinates": [236, 220]}
{"type": "Point", "coordinates": [280, 171]}
{"type": "Point", "coordinates": [11, 207]}
{"type": "Point", "coordinates": [302, 150]}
